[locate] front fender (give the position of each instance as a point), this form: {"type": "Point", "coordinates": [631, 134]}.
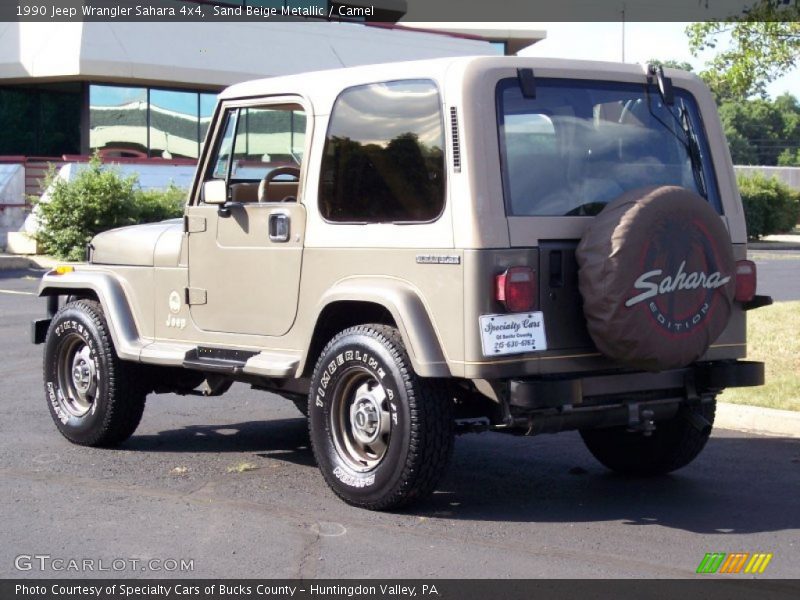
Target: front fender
{"type": "Point", "coordinates": [405, 304]}
{"type": "Point", "coordinates": [108, 289]}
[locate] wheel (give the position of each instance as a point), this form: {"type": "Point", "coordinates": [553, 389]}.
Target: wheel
{"type": "Point", "coordinates": [673, 445]}
{"type": "Point", "coordinates": [382, 436]}
{"type": "Point", "coordinates": [95, 399]}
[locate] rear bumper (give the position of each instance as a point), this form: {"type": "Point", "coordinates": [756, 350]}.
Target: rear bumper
{"type": "Point", "coordinates": [635, 400]}
{"type": "Point", "coordinates": [596, 390]}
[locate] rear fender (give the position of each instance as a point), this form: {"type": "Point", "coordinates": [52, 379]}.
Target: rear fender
{"type": "Point", "coordinates": [408, 311]}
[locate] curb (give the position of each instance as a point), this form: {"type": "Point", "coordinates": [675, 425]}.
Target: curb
{"type": "Point", "coordinates": [11, 262]}
{"type": "Point", "coordinates": [773, 246]}
{"type": "Point", "coordinates": [755, 419]}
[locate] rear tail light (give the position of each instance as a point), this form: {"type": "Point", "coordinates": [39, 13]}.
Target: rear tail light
{"type": "Point", "coordinates": [745, 280]}
{"type": "Point", "coordinates": [516, 289]}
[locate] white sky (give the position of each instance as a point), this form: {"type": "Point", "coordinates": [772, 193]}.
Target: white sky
{"type": "Point", "coordinates": [643, 41]}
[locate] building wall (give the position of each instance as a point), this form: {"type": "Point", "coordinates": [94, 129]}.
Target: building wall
{"type": "Point", "coordinates": [789, 175]}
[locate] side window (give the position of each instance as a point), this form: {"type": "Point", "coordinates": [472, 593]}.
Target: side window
{"type": "Point", "coordinates": [267, 138]}
{"type": "Point", "coordinates": [224, 152]}
{"type": "Point", "coordinates": [260, 153]}
{"type": "Point", "coordinates": [383, 159]}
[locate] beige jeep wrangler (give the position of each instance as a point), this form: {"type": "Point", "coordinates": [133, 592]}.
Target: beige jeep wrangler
{"type": "Point", "coordinates": [413, 250]}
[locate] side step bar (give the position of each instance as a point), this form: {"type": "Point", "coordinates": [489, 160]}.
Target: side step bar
{"type": "Point", "coordinates": [241, 362]}
{"type": "Point", "coordinates": [217, 360]}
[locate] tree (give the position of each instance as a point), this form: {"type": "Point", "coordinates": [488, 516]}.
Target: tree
{"type": "Point", "coordinates": [764, 44]}
{"type": "Point", "coordinates": [671, 64]}
{"type": "Point", "coordinates": [761, 131]}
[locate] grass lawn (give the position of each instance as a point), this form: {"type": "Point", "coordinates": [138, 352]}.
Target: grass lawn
{"type": "Point", "coordinates": [773, 336]}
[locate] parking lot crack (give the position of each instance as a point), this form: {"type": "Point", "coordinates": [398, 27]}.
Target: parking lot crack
{"type": "Point", "coordinates": [309, 555]}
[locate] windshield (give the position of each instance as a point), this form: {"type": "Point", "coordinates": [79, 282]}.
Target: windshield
{"type": "Point", "coordinates": [580, 144]}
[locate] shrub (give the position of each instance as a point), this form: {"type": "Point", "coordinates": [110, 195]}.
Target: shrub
{"type": "Point", "coordinates": [95, 200]}
{"type": "Point", "coordinates": [770, 206]}
{"type": "Point", "coordinates": [157, 205]}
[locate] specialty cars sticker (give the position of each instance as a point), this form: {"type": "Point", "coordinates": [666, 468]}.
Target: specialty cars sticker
{"type": "Point", "coordinates": [512, 334]}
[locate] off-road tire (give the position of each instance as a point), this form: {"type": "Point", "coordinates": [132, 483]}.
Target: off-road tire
{"type": "Point", "coordinates": [421, 433]}
{"type": "Point", "coordinates": [110, 414]}
{"type": "Point", "coordinates": [673, 445]}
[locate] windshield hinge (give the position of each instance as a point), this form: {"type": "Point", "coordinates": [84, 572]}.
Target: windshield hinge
{"type": "Point", "coordinates": [195, 296]}
{"type": "Point", "coordinates": [194, 224]}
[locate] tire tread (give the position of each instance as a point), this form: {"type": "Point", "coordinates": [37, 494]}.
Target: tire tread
{"type": "Point", "coordinates": [432, 433]}
{"type": "Point", "coordinates": [126, 392]}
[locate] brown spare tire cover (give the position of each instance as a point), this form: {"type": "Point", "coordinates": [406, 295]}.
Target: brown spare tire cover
{"type": "Point", "coordinates": [657, 277]}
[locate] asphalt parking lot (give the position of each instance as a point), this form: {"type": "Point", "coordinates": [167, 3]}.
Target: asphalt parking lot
{"type": "Point", "coordinates": [509, 507]}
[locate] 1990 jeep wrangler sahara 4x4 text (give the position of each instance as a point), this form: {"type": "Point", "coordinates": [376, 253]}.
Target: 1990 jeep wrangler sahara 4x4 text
{"type": "Point", "coordinates": [413, 250]}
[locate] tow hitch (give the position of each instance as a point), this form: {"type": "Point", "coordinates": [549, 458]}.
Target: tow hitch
{"type": "Point", "coordinates": [641, 419]}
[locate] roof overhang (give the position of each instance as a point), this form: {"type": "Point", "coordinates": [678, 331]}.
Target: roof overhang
{"type": "Point", "coordinates": [516, 35]}
{"type": "Point", "coordinates": [207, 55]}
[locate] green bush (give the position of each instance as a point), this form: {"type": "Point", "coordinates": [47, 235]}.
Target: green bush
{"type": "Point", "coordinates": [770, 206]}
{"type": "Point", "coordinates": [96, 200]}
{"type": "Point", "coordinates": [158, 205]}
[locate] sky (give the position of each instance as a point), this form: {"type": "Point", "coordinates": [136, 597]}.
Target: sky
{"type": "Point", "coordinates": [642, 42]}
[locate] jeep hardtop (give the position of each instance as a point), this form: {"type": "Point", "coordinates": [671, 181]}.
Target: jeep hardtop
{"type": "Point", "coordinates": [414, 250]}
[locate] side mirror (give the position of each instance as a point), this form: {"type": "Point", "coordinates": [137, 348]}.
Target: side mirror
{"type": "Point", "coordinates": [215, 192]}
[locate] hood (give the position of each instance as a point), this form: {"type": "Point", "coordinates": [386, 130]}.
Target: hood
{"type": "Point", "coordinates": [134, 245]}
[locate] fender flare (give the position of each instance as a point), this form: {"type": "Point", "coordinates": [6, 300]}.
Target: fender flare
{"type": "Point", "coordinates": [109, 291]}
{"type": "Point", "coordinates": [405, 304]}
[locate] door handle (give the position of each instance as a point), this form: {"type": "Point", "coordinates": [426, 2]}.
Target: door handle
{"type": "Point", "coordinates": [279, 227]}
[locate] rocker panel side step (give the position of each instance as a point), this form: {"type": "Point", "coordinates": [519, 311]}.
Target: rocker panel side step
{"type": "Point", "coordinates": [217, 360]}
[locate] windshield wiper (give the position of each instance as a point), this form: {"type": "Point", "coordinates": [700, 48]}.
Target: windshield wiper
{"type": "Point", "coordinates": [693, 149]}
{"type": "Point", "coordinates": [689, 141]}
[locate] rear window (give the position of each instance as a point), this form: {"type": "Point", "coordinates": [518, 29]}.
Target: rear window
{"type": "Point", "coordinates": [580, 144]}
{"type": "Point", "coordinates": [383, 159]}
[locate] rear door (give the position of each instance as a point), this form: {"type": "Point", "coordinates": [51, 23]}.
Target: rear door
{"type": "Point", "coordinates": [569, 151]}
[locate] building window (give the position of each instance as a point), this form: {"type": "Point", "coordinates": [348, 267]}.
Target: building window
{"type": "Point", "coordinates": [383, 159]}
{"type": "Point", "coordinates": [42, 120]}
{"type": "Point", "coordinates": [174, 124]}
{"type": "Point", "coordinates": [148, 122]}
{"type": "Point", "coordinates": [207, 104]}
{"type": "Point", "coordinates": [118, 120]}
{"type": "Point", "coordinates": [500, 48]}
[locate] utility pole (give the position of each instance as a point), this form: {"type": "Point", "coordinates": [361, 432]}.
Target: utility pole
{"type": "Point", "coordinates": [623, 32]}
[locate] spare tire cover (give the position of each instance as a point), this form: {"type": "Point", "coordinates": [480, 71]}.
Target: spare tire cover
{"type": "Point", "coordinates": [657, 276]}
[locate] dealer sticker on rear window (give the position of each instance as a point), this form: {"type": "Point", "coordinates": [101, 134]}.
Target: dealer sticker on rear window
{"type": "Point", "coordinates": [512, 334]}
